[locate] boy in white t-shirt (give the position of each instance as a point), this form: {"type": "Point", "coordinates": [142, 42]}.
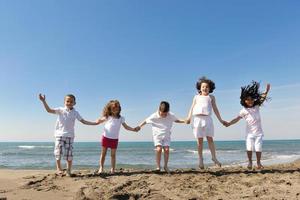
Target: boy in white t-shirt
{"type": "Point", "coordinates": [251, 100]}
{"type": "Point", "coordinates": [162, 122]}
{"type": "Point", "coordinates": [64, 130]}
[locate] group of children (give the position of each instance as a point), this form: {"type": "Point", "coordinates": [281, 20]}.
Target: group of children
{"type": "Point", "coordinates": [162, 120]}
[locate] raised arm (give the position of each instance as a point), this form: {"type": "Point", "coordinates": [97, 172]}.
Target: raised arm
{"type": "Point", "coordinates": [264, 95]}
{"type": "Point", "coordinates": [43, 100]}
{"type": "Point", "coordinates": [216, 110]}
{"type": "Point", "coordinates": [189, 117]}
{"type": "Point", "coordinates": [97, 122]}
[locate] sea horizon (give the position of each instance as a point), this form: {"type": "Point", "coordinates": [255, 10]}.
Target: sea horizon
{"type": "Point", "coordinates": [141, 154]}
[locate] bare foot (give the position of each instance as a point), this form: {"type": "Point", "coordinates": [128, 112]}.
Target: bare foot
{"type": "Point", "coordinates": [157, 169]}
{"type": "Point", "coordinates": [217, 163]}
{"type": "Point", "coordinates": [259, 166]}
{"type": "Point", "coordinates": [59, 172]}
{"type": "Point", "coordinates": [201, 164]}
{"type": "Point", "coordinates": [68, 173]}
{"type": "Point", "coordinates": [112, 171]}
{"type": "Point", "coordinates": [100, 171]}
{"type": "Point", "coordinates": [249, 166]}
{"type": "Point", "coordinates": [167, 169]}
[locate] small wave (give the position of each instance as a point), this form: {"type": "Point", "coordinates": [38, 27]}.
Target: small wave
{"type": "Point", "coordinates": [205, 151]}
{"type": "Point", "coordinates": [26, 147]}
{"type": "Point", "coordinates": [33, 147]}
{"type": "Point", "coordinates": [171, 150]}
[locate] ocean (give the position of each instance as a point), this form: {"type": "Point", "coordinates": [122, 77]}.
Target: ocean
{"type": "Point", "coordinates": [141, 155]}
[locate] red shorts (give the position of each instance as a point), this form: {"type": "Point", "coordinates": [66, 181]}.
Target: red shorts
{"type": "Point", "coordinates": [109, 143]}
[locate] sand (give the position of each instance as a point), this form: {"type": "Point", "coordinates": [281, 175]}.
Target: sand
{"type": "Point", "coordinates": [274, 182]}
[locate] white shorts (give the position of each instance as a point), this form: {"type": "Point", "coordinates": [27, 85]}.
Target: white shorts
{"type": "Point", "coordinates": [203, 126]}
{"type": "Point", "coordinates": [164, 141]}
{"type": "Point", "coordinates": [254, 142]}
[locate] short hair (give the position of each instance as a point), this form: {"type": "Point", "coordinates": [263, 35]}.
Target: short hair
{"type": "Point", "coordinates": [164, 107]}
{"type": "Point", "coordinates": [71, 96]}
{"type": "Point", "coordinates": [252, 90]}
{"type": "Point", "coordinates": [210, 83]}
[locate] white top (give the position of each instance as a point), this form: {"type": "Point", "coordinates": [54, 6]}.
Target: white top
{"type": "Point", "coordinates": [202, 105]}
{"type": "Point", "coordinates": [65, 122]}
{"type": "Point", "coordinates": [161, 126]}
{"type": "Point", "coordinates": [112, 127]}
{"type": "Point", "coordinates": [253, 121]}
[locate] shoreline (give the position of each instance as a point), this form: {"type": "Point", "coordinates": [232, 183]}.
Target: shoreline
{"type": "Point", "coordinates": [280, 181]}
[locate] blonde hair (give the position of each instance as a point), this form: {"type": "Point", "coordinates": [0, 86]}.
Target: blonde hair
{"type": "Point", "coordinates": [107, 111]}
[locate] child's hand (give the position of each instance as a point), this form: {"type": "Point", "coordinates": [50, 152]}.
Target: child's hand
{"type": "Point", "coordinates": [42, 97]}
{"type": "Point", "coordinates": [226, 124]}
{"type": "Point", "coordinates": [136, 129]}
{"type": "Point", "coordinates": [268, 87]}
{"type": "Point", "coordinates": [187, 121]}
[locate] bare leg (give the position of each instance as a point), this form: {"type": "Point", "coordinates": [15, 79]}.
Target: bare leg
{"type": "Point", "coordinates": [200, 152]}
{"type": "Point", "coordinates": [69, 167]}
{"type": "Point", "coordinates": [249, 154]}
{"type": "Point", "coordinates": [102, 159]}
{"type": "Point", "coordinates": [258, 157]}
{"type": "Point", "coordinates": [166, 157]}
{"type": "Point", "coordinates": [212, 149]}
{"type": "Point", "coordinates": [113, 160]}
{"type": "Point", "coordinates": [58, 167]}
{"type": "Point", "coordinates": [158, 156]}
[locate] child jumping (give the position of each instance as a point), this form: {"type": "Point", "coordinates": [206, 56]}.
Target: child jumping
{"type": "Point", "coordinates": [201, 110]}
{"type": "Point", "coordinates": [162, 122]}
{"type": "Point", "coordinates": [113, 120]}
{"type": "Point", "coordinates": [64, 130]}
{"type": "Point", "coordinates": [251, 100]}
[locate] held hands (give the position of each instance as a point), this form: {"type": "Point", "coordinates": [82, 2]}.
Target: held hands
{"type": "Point", "coordinates": [42, 97]}
{"type": "Point", "coordinates": [225, 123]}
{"type": "Point", "coordinates": [187, 121]}
{"type": "Point", "coordinates": [137, 129]}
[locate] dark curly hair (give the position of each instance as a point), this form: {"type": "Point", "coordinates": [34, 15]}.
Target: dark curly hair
{"type": "Point", "coordinates": [252, 90]}
{"type": "Point", "coordinates": [107, 111]}
{"type": "Point", "coordinates": [203, 79]}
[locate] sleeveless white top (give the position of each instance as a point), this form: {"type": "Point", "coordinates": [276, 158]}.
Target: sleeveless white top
{"type": "Point", "coordinates": [202, 105]}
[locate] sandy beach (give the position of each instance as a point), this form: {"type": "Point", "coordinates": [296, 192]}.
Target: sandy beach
{"type": "Point", "coordinates": [273, 182]}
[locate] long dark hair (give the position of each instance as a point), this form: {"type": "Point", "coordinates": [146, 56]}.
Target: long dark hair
{"type": "Point", "coordinates": [252, 90]}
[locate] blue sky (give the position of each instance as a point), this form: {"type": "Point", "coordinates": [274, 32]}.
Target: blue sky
{"type": "Point", "coordinates": [142, 52]}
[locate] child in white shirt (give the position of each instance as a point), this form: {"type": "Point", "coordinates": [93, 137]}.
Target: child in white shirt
{"type": "Point", "coordinates": [162, 122]}
{"type": "Point", "coordinates": [251, 100]}
{"type": "Point", "coordinates": [110, 137]}
{"type": "Point", "coordinates": [201, 110]}
{"type": "Point", "coordinates": [64, 130]}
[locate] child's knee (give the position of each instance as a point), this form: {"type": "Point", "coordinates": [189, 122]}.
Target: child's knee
{"type": "Point", "coordinates": [166, 149]}
{"type": "Point", "coordinates": [209, 139]}
{"type": "Point", "coordinates": [158, 149]}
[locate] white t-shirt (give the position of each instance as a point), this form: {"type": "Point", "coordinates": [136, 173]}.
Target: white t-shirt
{"type": "Point", "coordinates": [161, 126]}
{"type": "Point", "coordinates": [253, 121]}
{"type": "Point", "coordinates": [65, 122]}
{"type": "Point", "coordinates": [112, 127]}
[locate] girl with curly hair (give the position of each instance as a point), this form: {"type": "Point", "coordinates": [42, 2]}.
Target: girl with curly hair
{"type": "Point", "coordinates": [201, 109]}
{"type": "Point", "coordinates": [113, 120]}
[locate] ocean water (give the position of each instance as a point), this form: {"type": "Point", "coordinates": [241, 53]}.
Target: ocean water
{"type": "Point", "coordinates": [141, 155]}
